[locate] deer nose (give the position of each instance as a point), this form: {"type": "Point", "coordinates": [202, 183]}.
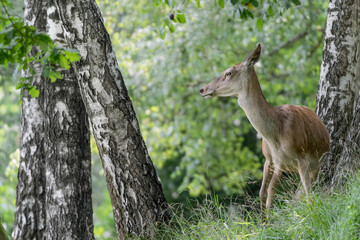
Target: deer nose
{"type": "Point", "coordinates": [201, 90]}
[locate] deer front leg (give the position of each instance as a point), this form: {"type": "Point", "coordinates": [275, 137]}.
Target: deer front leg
{"type": "Point", "coordinates": [267, 175]}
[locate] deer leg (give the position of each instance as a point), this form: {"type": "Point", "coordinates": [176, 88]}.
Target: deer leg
{"type": "Point", "coordinates": [298, 193]}
{"type": "Point", "coordinates": [267, 175]}
{"type": "Point", "coordinates": [306, 179]}
{"type": "Point", "coordinates": [272, 187]}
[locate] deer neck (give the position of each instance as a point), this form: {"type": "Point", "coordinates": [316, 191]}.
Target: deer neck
{"type": "Point", "coordinates": [260, 113]}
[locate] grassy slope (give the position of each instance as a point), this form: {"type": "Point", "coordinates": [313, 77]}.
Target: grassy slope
{"type": "Point", "coordinates": [319, 216]}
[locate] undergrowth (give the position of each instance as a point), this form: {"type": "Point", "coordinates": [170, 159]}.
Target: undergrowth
{"type": "Point", "coordinates": [318, 216]}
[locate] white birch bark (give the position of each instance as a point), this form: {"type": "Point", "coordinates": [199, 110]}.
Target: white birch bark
{"type": "Point", "coordinates": [135, 191]}
{"type": "Point", "coordinates": [338, 93]}
{"type": "Point", "coordinates": [30, 215]}
{"type": "Point", "coordinates": [54, 180]}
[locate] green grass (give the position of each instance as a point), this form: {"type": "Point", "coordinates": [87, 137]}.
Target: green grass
{"type": "Point", "coordinates": [319, 216]}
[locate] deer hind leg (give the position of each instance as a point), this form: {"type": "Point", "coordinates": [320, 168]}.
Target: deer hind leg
{"type": "Point", "coordinates": [267, 175]}
{"type": "Point", "coordinates": [298, 192]}
{"type": "Point", "coordinates": [272, 187]}
{"type": "Point", "coordinates": [306, 178]}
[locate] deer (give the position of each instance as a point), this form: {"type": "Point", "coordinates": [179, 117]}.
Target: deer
{"type": "Point", "coordinates": [294, 138]}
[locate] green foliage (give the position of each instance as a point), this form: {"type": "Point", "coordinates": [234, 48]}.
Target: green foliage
{"type": "Point", "coordinates": [17, 40]}
{"type": "Point", "coordinates": [318, 216]}
{"type": "Point", "coordinates": [222, 3]}
{"type": "Point", "coordinates": [104, 227]}
{"type": "Point", "coordinates": [197, 3]}
{"type": "Point", "coordinates": [180, 17]}
{"type": "Point", "coordinates": [9, 142]}
{"type": "Point", "coordinates": [243, 9]}
{"type": "Point", "coordinates": [8, 192]}
{"type": "Point", "coordinates": [296, 2]}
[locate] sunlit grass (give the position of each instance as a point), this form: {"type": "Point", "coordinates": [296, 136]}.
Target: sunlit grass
{"type": "Point", "coordinates": [319, 216]}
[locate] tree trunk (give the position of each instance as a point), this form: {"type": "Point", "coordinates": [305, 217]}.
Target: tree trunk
{"type": "Point", "coordinates": [54, 179]}
{"type": "Point", "coordinates": [68, 162]}
{"type": "Point", "coordinates": [135, 191]}
{"type": "Point", "coordinates": [30, 215]}
{"type": "Point", "coordinates": [338, 95]}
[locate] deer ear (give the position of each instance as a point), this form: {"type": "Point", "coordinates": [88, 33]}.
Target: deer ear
{"type": "Point", "coordinates": [254, 56]}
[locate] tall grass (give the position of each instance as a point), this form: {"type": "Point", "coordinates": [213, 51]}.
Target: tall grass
{"type": "Point", "coordinates": [318, 216]}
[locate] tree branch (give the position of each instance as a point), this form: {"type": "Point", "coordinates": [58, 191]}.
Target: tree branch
{"type": "Point", "coordinates": [289, 42]}
{"type": "Point", "coordinates": [316, 46]}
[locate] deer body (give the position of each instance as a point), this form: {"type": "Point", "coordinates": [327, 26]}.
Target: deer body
{"type": "Point", "coordinates": [294, 137]}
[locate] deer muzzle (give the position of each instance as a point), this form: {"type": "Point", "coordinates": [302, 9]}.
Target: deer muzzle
{"type": "Point", "coordinates": [207, 93]}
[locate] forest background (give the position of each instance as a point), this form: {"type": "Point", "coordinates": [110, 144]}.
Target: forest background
{"type": "Point", "coordinates": [198, 147]}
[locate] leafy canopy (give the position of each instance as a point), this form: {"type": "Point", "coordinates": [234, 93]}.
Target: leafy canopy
{"type": "Point", "coordinates": [17, 40]}
{"type": "Point", "coordinates": [244, 9]}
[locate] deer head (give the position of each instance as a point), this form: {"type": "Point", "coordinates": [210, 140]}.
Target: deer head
{"type": "Point", "coordinates": [235, 80]}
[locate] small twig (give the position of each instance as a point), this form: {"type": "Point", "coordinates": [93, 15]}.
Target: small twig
{"type": "Point", "coordinates": [289, 42]}
{"type": "Point", "coordinates": [313, 49]}
{"type": "Point", "coordinates": [281, 76]}
{"type": "Point", "coordinates": [9, 17]}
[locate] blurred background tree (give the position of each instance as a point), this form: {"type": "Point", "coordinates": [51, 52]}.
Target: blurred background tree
{"type": "Point", "coordinates": [198, 147]}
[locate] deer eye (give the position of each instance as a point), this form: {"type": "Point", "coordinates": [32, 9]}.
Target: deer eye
{"type": "Point", "coordinates": [228, 74]}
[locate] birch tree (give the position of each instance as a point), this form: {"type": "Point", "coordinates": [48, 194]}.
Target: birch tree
{"type": "Point", "coordinates": [54, 181]}
{"type": "Point", "coordinates": [135, 191]}
{"type": "Point", "coordinates": [53, 196]}
{"type": "Point", "coordinates": [338, 94]}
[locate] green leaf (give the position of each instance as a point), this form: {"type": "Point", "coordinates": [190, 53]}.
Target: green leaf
{"type": "Point", "coordinates": [255, 3]}
{"type": "Point", "coordinates": [222, 3]}
{"type": "Point", "coordinates": [34, 92]}
{"type": "Point", "coordinates": [44, 41]}
{"type": "Point", "coordinates": [162, 31]}
{"type": "Point", "coordinates": [72, 55]}
{"type": "Point", "coordinates": [6, 63]}
{"type": "Point", "coordinates": [19, 85]}
{"type": "Point", "coordinates": [54, 75]}
{"type": "Point", "coordinates": [244, 14]}
{"type": "Point", "coordinates": [169, 3]}
{"type": "Point", "coordinates": [54, 56]}
{"type": "Point", "coordinates": [296, 2]}
{"type": "Point", "coordinates": [172, 28]}
{"type": "Point", "coordinates": [158, 2]}
{"type": "Point", "coordinates": [250, 14]}
{"type": "Point", "coordinates": [197, 3]}
{"type": "Point", "coordinates": [169, 24]}
{"type": "Point", "coordinates": [64, 62]}
{"type": "Point", "coordinates": [259, 23]}
{"type": "Point", "coordinates": [270, 11]}
{"type": "Point", "coordinates": [180, 17]}
{"type": "Point", "coordinates": [45, 72]}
